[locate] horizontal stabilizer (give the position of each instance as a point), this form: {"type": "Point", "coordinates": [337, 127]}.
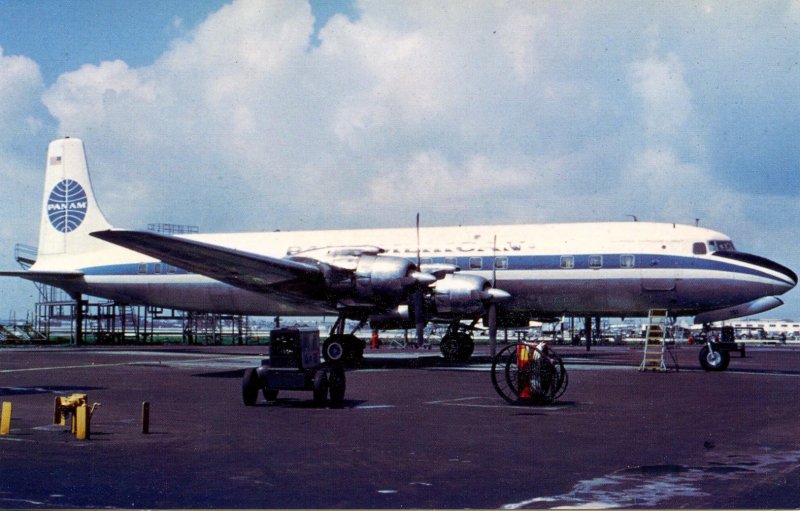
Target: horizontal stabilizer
{"type": "Point", "coordinates": [746, 309]}
{"type": "Point", "coordinates": [51, 278]}
{"type": "Point", "coordinates": [241, 269]}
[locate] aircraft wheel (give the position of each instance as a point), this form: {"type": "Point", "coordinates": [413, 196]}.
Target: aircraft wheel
{"type": "Point", "coordinates": [270, 394]}
{"type": "Point", "coordinates": [465, 347]}
{"type": "Point", "coordinates": [449, 347]}
{"type": "Point", "coordinates": [333, 349]}
{"type": "Point", "coordinates": [250, 387]}
{"type": "Point", "coordinates": [712, 360]}
{"type": "Point", "coordinates": [354, 351]}
{"type": "Point", "coordinates": [321, 387]}
{"type": "Point", "coordinates": [337, 384]}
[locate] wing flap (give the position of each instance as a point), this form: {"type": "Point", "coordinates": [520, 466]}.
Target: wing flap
{"type": "Point", "coordinates": [245, 270]}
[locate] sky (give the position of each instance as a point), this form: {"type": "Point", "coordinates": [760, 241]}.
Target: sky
{"type": "Point", "coordinates": [261, 115]}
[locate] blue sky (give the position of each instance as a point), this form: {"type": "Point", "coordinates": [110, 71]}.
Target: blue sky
{"type": "Point", "coordinates": [359, 114]}
{"type": "Point", "coordinates": [63, 35]}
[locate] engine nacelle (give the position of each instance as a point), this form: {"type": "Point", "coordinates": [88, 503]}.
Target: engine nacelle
{"type": "Point", "coordinates": [383, 276]}
{"type": "Point", "coordinates": [371, 277]}
{"type": "Point", "coordinates": [396, 319]}
{"type": "Point", "coordinates": [461, 295]}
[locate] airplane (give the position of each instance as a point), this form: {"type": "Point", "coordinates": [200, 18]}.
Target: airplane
{"type": "Point", "coordinates": [505, 275]}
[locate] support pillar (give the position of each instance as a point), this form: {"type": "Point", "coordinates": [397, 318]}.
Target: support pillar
{"type": "Point", "coordinates": [587, 324]}
{"type": "Point", "coordinates": [79, 319]}
{"type": "Point", "coordinates": [597, 328]}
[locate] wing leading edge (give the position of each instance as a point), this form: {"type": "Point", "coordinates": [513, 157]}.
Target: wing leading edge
{"type": "Point", "coordinates": [245, 270]}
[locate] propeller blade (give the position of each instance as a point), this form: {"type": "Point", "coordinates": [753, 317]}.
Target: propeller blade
{"type": "Point", "coordinates": [419, 259]}
{"type": "Point", "coordinates": [491, 319]}
{"type": "Point", "coordinates": [419, 316]}
{"type": "Point", "coordinates": [494, 262]}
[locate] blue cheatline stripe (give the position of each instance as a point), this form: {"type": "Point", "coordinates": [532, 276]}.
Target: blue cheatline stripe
{"type": "Point", "coordinates": [515, 262]}
{"type": "Point", "coordinates": [611, 262]}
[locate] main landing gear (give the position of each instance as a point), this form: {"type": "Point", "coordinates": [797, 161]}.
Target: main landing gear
{"type": "Point", "coordinates": [342, 348]}
{"type": "Point", "coordinates": [457, 344]}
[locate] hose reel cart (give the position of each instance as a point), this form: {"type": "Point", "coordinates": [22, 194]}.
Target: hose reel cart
{"type": "Point", "coordinates": [528, 373]}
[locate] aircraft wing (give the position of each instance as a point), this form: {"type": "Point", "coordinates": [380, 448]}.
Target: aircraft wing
{"type": "Point", "coordinates": [241, 269]}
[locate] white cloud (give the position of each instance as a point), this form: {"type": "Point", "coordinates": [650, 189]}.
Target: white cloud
{"type": "Point", "coordinates": [20, 88]}
{"type": "Point", "coordinates": [666, 96]}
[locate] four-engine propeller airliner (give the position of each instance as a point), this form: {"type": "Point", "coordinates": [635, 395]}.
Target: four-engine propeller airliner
{"type": "Point", "coordinates": [503, 274]}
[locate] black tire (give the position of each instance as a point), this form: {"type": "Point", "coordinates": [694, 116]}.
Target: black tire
{"type": "Point", "coordinates": [270, 394]}
{"type": "Point", "coordinates": [333, 349]}
{"type": "Point", "coordinates": [337, 383]}
{"type": "Point", "coordinates": [449, 347]}
{"type": "Point", "coordinates": [353, 351]}
{"type": "Point", "coordinates": [321, 387]}
{"type": "Point", "coordinates": [465, 347]}
{"type": "Point", "coordinates": [250, 387]}
{"type": "Point", "coordinates": [712, 360]}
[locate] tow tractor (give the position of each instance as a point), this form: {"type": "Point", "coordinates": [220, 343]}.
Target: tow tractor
{"type": "Point", "coordinates": [294, 364]}
{"type": "Point", "coordinates": [716, 354]}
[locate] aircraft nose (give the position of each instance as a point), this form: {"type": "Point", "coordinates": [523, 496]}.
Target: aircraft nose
{"type": "Point", "coordinates": [783, 279]}
{"type": "Point", "coordinates": [790, 277]}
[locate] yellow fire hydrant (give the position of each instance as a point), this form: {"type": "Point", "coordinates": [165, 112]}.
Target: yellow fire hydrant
{"type": "Point", "coordinates": [76, 406]}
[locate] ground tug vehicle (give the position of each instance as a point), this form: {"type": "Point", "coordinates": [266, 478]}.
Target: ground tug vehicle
{"type": "Point", "coordinates": [295, 364]}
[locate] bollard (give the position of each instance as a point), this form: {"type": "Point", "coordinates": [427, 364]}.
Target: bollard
{"type": "Point", "coordinates": [145, 417]}
{"type": "Point", "coordinates": [5, 421]}
{"type": "Point", "coordinates": [77, 408]}
{"type": "Point", "coordinates": [82, 422]}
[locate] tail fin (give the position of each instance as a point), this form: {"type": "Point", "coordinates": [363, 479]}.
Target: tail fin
{"type": "Point", "coordinates": [69, 209]}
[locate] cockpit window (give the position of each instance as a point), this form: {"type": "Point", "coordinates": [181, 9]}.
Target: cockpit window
{"type": "Point", "coordinates": [699, 248]}
{"type": "Point", "coordinates": [724, 246]}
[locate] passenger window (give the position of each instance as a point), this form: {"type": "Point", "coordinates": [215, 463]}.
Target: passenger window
{"type": "Point", "coordinates": [627, 261]}
{"type": "Point", "coordinates": [451, 260]}
{"type": "Point", "coordinates": [475, 263]}
{"type": "Point", "coordinates": [157, 268]}
{"type": "Point", "coordinates": [568, 262]}
{"type": "Point", "coordinates": [699, 248]}
{"type": "Point", "coordinates": [595, 261]}
{"type": "Point", "coordinates": [426, 260]}
{"type": "Point", "coordinates": [501, 263]}
{"type": "Point", "coordinates": [142, 268]}
{"type": "Point", "coordinates": [171, 269]}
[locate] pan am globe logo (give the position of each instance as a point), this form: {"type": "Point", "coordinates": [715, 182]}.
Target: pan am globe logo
{"type": "Point", "coordinates": [67, 205]}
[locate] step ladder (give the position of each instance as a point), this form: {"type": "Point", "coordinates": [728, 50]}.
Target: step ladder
{"type": "Point", "coordinates": [654, 342]}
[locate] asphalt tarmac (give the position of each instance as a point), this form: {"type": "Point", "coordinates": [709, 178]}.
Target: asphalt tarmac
{"type": "Point", "coordinates": [413, 432]}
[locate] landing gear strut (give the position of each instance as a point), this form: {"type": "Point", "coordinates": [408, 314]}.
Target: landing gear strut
{"type": "Point", "coordinates": [457, 344]}
{"type": "Point", "coordinates": [342, 348]}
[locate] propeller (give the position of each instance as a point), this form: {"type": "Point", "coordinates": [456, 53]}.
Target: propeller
{"type": "Point", "coordinates": [491, 313]}
{"type": "Point", "coordinates": [419, 299]}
